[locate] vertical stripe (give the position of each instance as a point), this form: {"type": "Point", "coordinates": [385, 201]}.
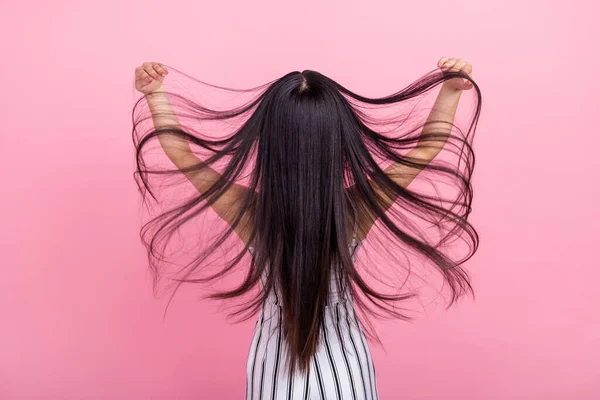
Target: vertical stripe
{"type": "Point", "coordinates": [362, 374]}
{"type": "Point", "coordinates": [277, 357]}
{"type": "Point", "coordinates": [332, 364]}
{"type": "Point", "coordinates": [369, 360]}
{"type": "Point", "coordinates": [252, 353]}
{"type": "Point", "coordinates": [262, 372]}
{"type": "Point", "coordinates": [306, 390]}
{"type": "Point", "coordinates": [262, 320]}
{"type": "Point", "coordinates": [374, 378]}
{"type": "Point", "coordinates": [290, 387]}
{"type": "Point", "coordinates": [337, 323]}
{"type": "Point", "coordinates": [319, 378]}
{"type": "Point", "coordinates": [262, 380]}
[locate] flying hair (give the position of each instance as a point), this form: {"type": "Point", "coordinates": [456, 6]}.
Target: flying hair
{"type": "Point", "coordinates": [288, 167]}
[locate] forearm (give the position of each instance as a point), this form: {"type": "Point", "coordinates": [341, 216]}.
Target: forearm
{"type": "Point", "coordinates": [439, 123]}
{"type": "Point", "coordinates": [434, 135]}
{"type": "Point", "coordinates": [163, 116]}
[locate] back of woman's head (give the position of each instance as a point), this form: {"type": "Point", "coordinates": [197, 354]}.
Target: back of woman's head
{"type": "Point", "coordinates": [301, 214]}
{"type": "Point", "coordinates": [296, 157]}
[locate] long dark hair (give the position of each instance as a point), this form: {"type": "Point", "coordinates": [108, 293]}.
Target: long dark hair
{"type": "Point", "coordinates": [309, 152]}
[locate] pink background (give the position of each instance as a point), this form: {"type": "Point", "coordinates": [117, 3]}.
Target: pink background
{"type": "Point", "coordinates": [78, 318]}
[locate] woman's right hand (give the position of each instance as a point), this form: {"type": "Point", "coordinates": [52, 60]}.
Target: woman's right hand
{"type": "Point", "coordinates": [149, 77]}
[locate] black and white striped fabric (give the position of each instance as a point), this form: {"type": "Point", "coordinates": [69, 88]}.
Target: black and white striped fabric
{"type": "Point", "coordinates": [342, 368]}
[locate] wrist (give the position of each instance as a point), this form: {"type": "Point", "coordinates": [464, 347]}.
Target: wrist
{"type": "Point", "coordinates": [449, 87]}
{"type": "Point", "coordinates": [158, 90]}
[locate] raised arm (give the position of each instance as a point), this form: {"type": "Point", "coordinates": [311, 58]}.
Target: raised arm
{"type": "Point", "coordinates": [438, 125]}
{"type": "Point", "coordinates": [149, 81]}
{"type": "Point", "coordinates": [434, 136]}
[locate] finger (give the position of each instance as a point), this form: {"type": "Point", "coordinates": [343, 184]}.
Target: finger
{"type": "Point", "coordinates": [449, 64]}
{"type": "Point", "coordinates": [458, 65]}
{"type": "Point", "coordinates": [141, 70]}
{"type": "Point", "coordinates": [467, 84]}
{"type": "Point", "coordinates": [150, 71]}
{"type": "Point", "coordinates": [442, 61]}
{"type": "Point", "coordinates": [160, 69]}
{"type": "Point", "coordinates": [143, 77]}
{"type": "Point", "coordinates": [468, 69]}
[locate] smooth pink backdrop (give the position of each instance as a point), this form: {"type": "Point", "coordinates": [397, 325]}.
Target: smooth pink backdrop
{"type": "Point", "coordinates": [78, 319]}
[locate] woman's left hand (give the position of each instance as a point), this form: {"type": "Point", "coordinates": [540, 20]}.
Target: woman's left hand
{"type": "Point", "coordinates": [457, 65]}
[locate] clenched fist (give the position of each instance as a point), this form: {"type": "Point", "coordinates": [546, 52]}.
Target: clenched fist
{"type": "Point", "coordinates": [149, 77]}
{"type": "Point", "coordinates": [456, 65]}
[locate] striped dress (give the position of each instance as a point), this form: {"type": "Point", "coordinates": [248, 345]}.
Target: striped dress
{"type": "Point", "coordinates": [342, 368]}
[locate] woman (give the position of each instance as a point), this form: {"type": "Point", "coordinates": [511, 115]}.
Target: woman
{"type": "Point", "coordinates": [314, 194]}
